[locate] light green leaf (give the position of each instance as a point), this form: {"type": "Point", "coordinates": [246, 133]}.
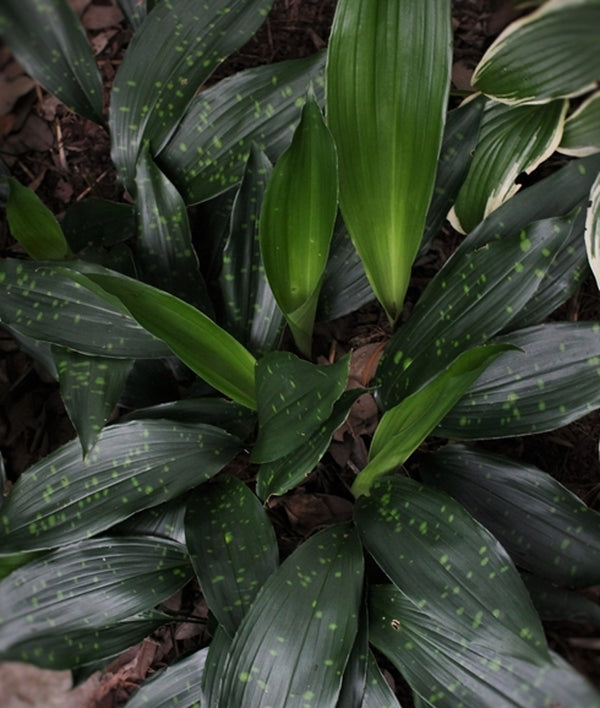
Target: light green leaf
{"type": "Point", "coordinates": [518, 68]}
{"type": "Point", "coordinates": [512, 140]}
{"type": "Point", "coordinates": [581, 135]}
{"type": "Point", "coordinates": [404, 427]}
{"type": "Point", "coordinates": [164, 250]}
{"type": "Point", "coordinates": [295, 398]}
{"type": "Point", "coordinates": [388, 66]}
{"type": "Point", "coordinates": [550, 383]}
{"type": "Point", "coordinates": [546, 529]}
{"type": "Point", "coordinates": [134, 466]}
{"type": "Point", "coordinates": [90, 387]}
{"type": "Point", "coordinates": [208, 151]}
{"type": "Point", "coordinates": [294, 643]}
{"type": "Point", "coordinates": [179, 45]}
{"type": "Point", "coordinates": [592, 230]}
{"type": "Point", "coordinates": [43, 301]}
{"type": "Point", "coordinates": [250, 311]}
{"type": "Point", "coordinates": [84, 587]}
{"type": "Point", "coordinates": [232, 547]}
{"type": "Point", "coordinates": [50, 43]}
{"type": "Point", "coordinates": [33, 225]}
{"type": "Point", "coordinates": [202, 345]}
{"type": "Point", "coordinates": [296, 222]}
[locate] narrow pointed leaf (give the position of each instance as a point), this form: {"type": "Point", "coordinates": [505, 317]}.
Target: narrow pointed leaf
{"type": "Point", "coordinates": [134, 466]}
{"type": "Point", "coordinates": [179, 45]}
{"type": "Point", "coordinates": [33, 225]}
{"type": "Point", "coordinates": [41, 301]}
{"type": "Point", "coordinates": [50, 43]}
{"type": "Point", "coordinates": [581, 135]}
{"type": "Point", "coordinates": [375, 109]}
{"type": "Point", "coordinates": [232, 547]}
{"type": "Point", "coordinates": [165, 521]}
{"type": "Point", "coordinates": [355, 675]}
{"type": "Point", "coordinates": [87, 586]}
{"type": "Point", "coordinates": [458, 598]}
{"type": "Point", "coordinates": [404, 427]}
{"type": "Point", "coordinates": [473, 297]}
{"type": "Point", "coordinates": [250, 311]}
{"type": "Point", "coordinates": [202, 345]}
{"type": "Point", "coordinates": [208, 151]}
{"type": "Point", "coordinates": [546, 529]}
{"type": "Point", "coordinates": [295, 398]}
{"type": "Point", "coordinates": [550, 383]}
{"type": "Point", "coordinates": [176, 685]}
{"type": "Point", "coordinates": [378, 693]}
{"type": "Point", "coordinates": [513, 140]}
{"type": "Point", "coordinates": [135, 12]}
{"type": "Point", "coordinates": [90, 388]}
{"type": "Point", "coordinates": [518, 68]}
{"type": "Point", "coordinates": [294, 642]}
{"type": "Point", "coordinates": [215, 666]}
{"type": "Point", "coordinates": [164, 250]}
{"type": "Point", "coordinates": [592, 230]}
{"type": "Point", "coordinates": [285, 473]}
{"type": "Point", "coordinates": [296, 222]}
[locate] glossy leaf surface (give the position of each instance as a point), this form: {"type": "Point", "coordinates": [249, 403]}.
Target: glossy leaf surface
{"type": "Point", "coordinates": [546, 529]}
{"type": "Point", "coordinates": [551, 383]}
{"type": "Point", "coordinates": [518, 68]}
{"type": "Point", "coordinates": [296, 222]}
{"type": "Point", "coordinates": [63, 498]}
{"type": "Point", "coordinates": [179, 45]}
{"type": "Point", "coordinates": [581, 135]}
{"type": "Point", "coordinates": [208, 151]}
{"type": "Point", "coordinates": [50, 43]}
{"type": "Point", "coordinates": [232, 547]}
{"type": "Point", "coordinates": [293, 645]}
{"type": "Point", "coordinates": [388, 66]}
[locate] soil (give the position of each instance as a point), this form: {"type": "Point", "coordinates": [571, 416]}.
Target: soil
{"type": "Point", "coordinates": [65, 158]}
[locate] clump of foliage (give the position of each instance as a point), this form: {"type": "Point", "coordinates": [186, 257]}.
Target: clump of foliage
{"type": "Point", "coordinates": [473, 549]}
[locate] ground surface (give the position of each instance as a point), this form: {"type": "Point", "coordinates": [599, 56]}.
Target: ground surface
{"type": "Point", "coordinates": [65, 159]}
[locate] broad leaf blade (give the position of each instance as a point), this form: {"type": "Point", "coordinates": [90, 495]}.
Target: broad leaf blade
{"type": "Point", "coordinates": [581, 135]}
{"type": "Point", "coordinates": [50, 43]}
{"type": "Point", "coordinates": [550, 383]}
{"type": "Point", "coordinates": [545, 528]}
{"type": "Point", "coordinates": [295, 398]}
{"type": "Point", "coordinates": [179, 44]}
{"type": "Point", "coordinates": [294, 642]}
{"type": "Point", "coordinates": [513, 140]}
{"type": "Point", "coordinates": [44, 302]}
{"type": "Point", "coordinates": [202, 345]}
{"type": "Point", "coordinates": [134, 466]}
{"type": "Point", "coordinates": [232, 547]}
{"type": "Point", "coordinates": [33, 225]}
{"type": "Point", "coordinates": [85, 587]}
{"type": "Point", "coordinates": [592, 230]}
{"type": "Point", "coordinates": [90, 387]}
{"type": "Point", "coordinates": [518, 68]}
{"type": "Point", "coordinates": [388, 66]}
{"type": "Point", "coordinates": [207, 153]}
{"type": "Point", "coordinates": [296, 222]}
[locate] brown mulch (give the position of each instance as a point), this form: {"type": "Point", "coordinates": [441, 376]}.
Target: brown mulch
{"type": "Point", "coordinates": [65, 158]}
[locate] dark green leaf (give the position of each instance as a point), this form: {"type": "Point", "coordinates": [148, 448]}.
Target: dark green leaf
{"type": "Point", "coordinates": [164, 521]}
{"type": "Point", "coordinates": [208, 151]}
{"type": "Point", "coordinates": [546, 529]}
{"type": "Point", "coordinates": [134, 466]}
{"type": "Point", "coordinates": [378, 693]}
{"type": "Point", "coordinates": [232, 547]}
{"type": "Point", "coordinates": [295, 398]}
{"type": "Point", "coordinates": [293, 645]}
{"type": "Point", "coordinates": [355, 674]}
{"type": "Point", "coordinates": [33, 225]}
{"type": "Point", "coordinates": [42, 301]}
{"type": "Point", "coordinates": [50, 43]}
{"type": "Point", "coordinates": [164, 249]}
{"type": "Point", "coordinates": [179, 45]}
{"type": "Point", "coordinates": [176, 685]}
{"type": "Point", "coordinates": [94, 224]}
{"type": "Point", "coordinates": [581, 135]}
{"type": "Point", "coordinates": [592, 230]}
{"type": "Point", "coordinates": [84, 587]}
{"type": "Point", "coordinates": [215, 666]}
{"type": "Point", "coordinates": [556, 604]}
{"type": "Point", "coordinates": [135, 11]}
{"type": "Point", "coordinates": [90, 387]}
{"type": "Point", "coordinates": [251, 313]}
{"type": "Point", "coordinates": [36, 349]}
{"type": "Point", "coordinates": [551, 383]}
{"type": "Point", "coordinates": [474, 296]}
